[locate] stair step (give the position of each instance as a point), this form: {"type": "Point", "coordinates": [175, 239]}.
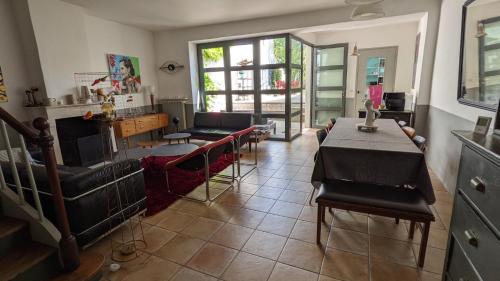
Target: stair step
{"type": "Point", "coordinates": [89, 269]}
{"type": "Point", "coordinates": [9, 226]}
{"type": "Point", "coordinates": [20, 259]}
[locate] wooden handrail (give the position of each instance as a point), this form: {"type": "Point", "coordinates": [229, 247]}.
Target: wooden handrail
{"type": "Point", "coordinates": [68, 248]}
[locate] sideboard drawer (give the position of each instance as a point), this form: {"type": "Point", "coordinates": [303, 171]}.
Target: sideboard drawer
{"type": "Point", "coordinates": [480, 180]}
{"type": "Point", "coordinates": [478, 241]}
{"type": "Point", "coordinates": [459, 268]}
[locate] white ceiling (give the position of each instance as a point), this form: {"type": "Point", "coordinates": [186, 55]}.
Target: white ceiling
{"type": "Point", "coordinates": [169, 14]}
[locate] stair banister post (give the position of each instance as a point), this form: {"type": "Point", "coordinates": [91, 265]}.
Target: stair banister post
{"type": "Point", "coordinates": [68, 247]}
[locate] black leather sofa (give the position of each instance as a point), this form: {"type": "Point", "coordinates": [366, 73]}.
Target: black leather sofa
{"type": "Point", "coordinates": [217, 125]}
{"type": "Point", "coordinates": [91, 196]}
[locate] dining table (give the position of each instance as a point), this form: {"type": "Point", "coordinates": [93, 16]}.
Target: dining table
{"type": "Point", "coordinates": [384, 157]}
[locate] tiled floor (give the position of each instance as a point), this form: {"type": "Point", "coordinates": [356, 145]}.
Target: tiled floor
{"type": "Point", "coordinates": [265, 229]}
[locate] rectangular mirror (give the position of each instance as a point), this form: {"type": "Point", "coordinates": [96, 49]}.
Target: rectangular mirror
{"type": "Point", "coordinates": [480, 54]}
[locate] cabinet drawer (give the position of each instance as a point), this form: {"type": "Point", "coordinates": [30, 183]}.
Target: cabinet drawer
{"type": "Point", "coordinates": [163, 120]}
{"type": "Point", "coordinates": [459, 268]}
{"type": "Point", "coordinates": [480, 180]}
{"type": "Point", "coordinates": [478, 241]}
{"type": "Point", "coordinates": [124, 128]}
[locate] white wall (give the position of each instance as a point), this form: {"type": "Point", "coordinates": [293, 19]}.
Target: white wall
{"type": "Point", "coordinates": [445, 78]}
{"type": "Point", "coordinates": [401, 35]}
{"type": "Point", "coordinates": [12, 62]}
{"type": "Point", "coordinates": [175, 44]}
{"type": "Point", "coordinates": [71, 41]}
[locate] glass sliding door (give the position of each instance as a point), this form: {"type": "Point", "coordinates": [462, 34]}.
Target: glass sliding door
{"type": "Point", "coordinates": [329, 84]}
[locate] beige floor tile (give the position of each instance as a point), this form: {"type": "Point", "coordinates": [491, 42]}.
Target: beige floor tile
{"type": "Point", "coordinates": [345, 266]}
{"type": "Point", "coordinates": [212, 259]}
{"type": "Point", "coordinates": [195, 208]}
{"type": "Point", "coordinates": [275, 182]}
{"type": "Point", "coordinates": [305, 177]}
{"type": "Point", "coordinates": [221, 212]}
{"type": "Point", "coordinates": [293, 196]}
{"type": "Point", "coordinates": [349, 241]}
{"type": "Point", "coordinates": [180, 249]}
{"type": "Point", "coordinates": [233, 199]}
{"type": "Point", "coordinates": [265, 245]}
{"type": "Point", "coordinates": [286, 175]}
{"type": "Point", "coordinates": [434, 259]}
{"type": "Point", "coordinates": [387, 228]}
{"type": "Point", "coordinates": [286, 209]}
{"type": "Point", "coordinates": [392, 250]}
{"type": "Point", "coordinates": [259, 203]}
{"type": "Point", "coordinates": [350, 221]}
{"type": "Point", "coordinates": [154, 269]}
{"type": "Point", "coordinates": [326, 278]}
{"type": "Point", "coordinates": [386, 271]}
{"type": "Point", "coordinates": [175, 221]}
{"type": "Point", "coordinates": [203, 228]}
{"type": "Point", "coordinates": [232, 236]}
{"type": "Point", "coordinates": [310, 213]}
{"type": "Point", "coordinates": [187, 274]}
{"type": "Point", "coordinates": [247, 267]}
{"type": "Point", "coordinates": [283, 272]}
{"type": "Point", "coordinates": [256, 179]}
{"type": "Point", "coordinates": [126, 268]}
{"type": "Point", "coordinates": [156, 218]}
{"type": "Point", "coordinates": [300, 186]}
{"type": "Point", "coordinates": [248, 218]}
{"type": "Point", "coordinates": [269, 192]}
{"type": "Point", "coordinates": [438, 238]}
{"type": "Point", "coordinates": [156, 237]}
{"type": "Point", "coordinates": [277, 224]}
{"type": "Point", "coordinates": [302, 255]}
{"type": "Point", "coordinates": [306, 231]}
{"type": "Point", "coordinates": [246, 188]}
{"type": "Point", "coordinates": [264, 172]}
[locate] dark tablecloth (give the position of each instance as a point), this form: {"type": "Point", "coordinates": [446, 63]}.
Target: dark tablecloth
{"type": "Point", "coordinates": [386, 157]}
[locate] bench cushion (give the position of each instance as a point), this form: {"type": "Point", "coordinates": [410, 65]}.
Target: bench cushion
{"type": "Point", "coordinates": [232, 120]}
{"type": "Point", "coordinates": [207, 119]}
{"type": "Point", "coordinates": [379, 196]}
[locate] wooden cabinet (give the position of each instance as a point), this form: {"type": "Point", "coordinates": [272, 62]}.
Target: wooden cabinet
{"type": "Point", "coordinates": [474, 246]}
{"type": "Point", "coordinates": [139, 125]}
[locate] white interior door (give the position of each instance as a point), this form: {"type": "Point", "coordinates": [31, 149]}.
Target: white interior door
{"type": "Point", "coordinates": [375, 67]}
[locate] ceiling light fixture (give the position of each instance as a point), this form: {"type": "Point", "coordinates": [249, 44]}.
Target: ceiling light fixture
{"type": "Point", "coordinates": [367, 12]}
{"type": "Point", "coordinates": [362, 2]}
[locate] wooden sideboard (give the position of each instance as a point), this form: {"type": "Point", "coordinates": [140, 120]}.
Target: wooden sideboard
{"type": "Point", "coordinates": [140, 124]}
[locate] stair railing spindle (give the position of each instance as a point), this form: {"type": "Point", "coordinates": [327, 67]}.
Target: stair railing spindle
{"type": "Point", "coordinates": [12, 163]}
{"type": "Point", "coordinates": [31, 178]}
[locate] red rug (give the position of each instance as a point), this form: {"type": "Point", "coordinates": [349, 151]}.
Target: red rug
{"type": "Point", "coordinates": [181, 181]}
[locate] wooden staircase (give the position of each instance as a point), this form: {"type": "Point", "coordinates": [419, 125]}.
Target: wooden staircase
{"type": "Point", "coordinates": [22, 259]}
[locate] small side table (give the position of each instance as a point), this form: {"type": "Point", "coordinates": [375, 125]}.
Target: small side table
{"type": "Point", "coordinates": [178, 137]}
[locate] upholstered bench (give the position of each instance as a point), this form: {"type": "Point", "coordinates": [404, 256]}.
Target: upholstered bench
{"type": "Point", "coordinates": [388, 201]}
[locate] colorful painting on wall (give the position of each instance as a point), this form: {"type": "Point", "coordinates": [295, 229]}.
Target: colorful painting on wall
{"type": "Point", "coordinates": [125, 73]}
{"type": "Point", "coordinates": [3, 88]}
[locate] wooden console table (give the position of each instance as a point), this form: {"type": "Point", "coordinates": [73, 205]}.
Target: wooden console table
{"type": "Point", "coordinates": [139, 125]}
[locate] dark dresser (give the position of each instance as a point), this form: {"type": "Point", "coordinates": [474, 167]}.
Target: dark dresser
{"type": "Point", "coordinates": [406, 115]}
{"type": "Point", "coordinates": [474, 246]}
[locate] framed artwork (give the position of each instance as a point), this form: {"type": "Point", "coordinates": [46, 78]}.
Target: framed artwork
{"type": "Point", "coordinates": [3, 88]}
{"type": "Point", "coordinates": [125, 73]}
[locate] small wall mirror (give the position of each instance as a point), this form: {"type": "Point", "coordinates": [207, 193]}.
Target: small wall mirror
{"type": "Point", "coordinates": [480, 54]}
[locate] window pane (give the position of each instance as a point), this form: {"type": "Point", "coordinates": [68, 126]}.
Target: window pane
{"type": "Point", "coordinates": [241, 55]}
{"type": "Point", "coordinates": [329, 99]}
{"type": "Point", "coordinates": [296, 75]}
{"type": "Point", "coordinates": [214, 81]}
{"type": "Point", "coordinates": [213, 57]}
{"type": "Point", "coordinates": [296, 52]}
{"type": "Point", "coordinates": [492, 33]}
{"type": "Point", "coordinates": [330, 56]}
{"type": "Point", "coordinates": [272, 51]}
{"type": "Point", "coordinates": [491, 89]}
{"type": "Point", "coordinates": [331, 78]}
{"type": "Point", "coordinates": [273, 79]}
{"type": "Point", "coordinates": [273, 103]}
{"type": "Point", "coordinates": [323, 117]}
{"type": "Point", "coordinates": [215, 103]}
{"type": "Point", "coordinates": [492, 60]}
{"type": "Point", "coordinates": [242, 80]}
{"type": "Point", "coordinates": [243, 103]}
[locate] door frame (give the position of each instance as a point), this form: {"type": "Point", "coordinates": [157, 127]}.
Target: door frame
{"type": "Point", "coordinates": [314, 70]}
{"type": "Point", "coordinates": [358, 69]}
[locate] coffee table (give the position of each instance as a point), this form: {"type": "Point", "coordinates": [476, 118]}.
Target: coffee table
{"type": "Point", "coordinates": [173, 149]}
{"type": "Point", "coordinates": [178, 137]}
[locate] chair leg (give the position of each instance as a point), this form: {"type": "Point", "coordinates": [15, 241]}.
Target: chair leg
{"type": "Point", "coordinates": [412, 230]}
{"type": "Point", "coordinates": [397, 220]}
{"type": "Point", "coordinates": [312, 195]}
{"type": "Point", "coordinates": [323, 214]}
{"type": "Point", "coordinates": [318, 225]}
{"type": "Point", "coordinates": [423, 244]}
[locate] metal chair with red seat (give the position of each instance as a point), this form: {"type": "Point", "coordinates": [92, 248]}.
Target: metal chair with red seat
{"type": "Point", "coordinates": [201, 159]}
{"type": "Point", "coordinates": [241, 138]}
